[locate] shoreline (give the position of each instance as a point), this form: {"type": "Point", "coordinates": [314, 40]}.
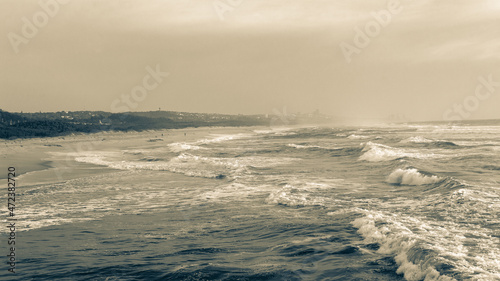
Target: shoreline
{"type": "Point", "coordinates": [49, 159]}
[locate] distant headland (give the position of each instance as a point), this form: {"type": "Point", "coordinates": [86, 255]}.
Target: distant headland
{"type": "Point", "coordinates": [50, 124]}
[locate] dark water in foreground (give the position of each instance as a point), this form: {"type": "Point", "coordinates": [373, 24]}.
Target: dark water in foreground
{"type": "Point", "coordinates": [372, 203]}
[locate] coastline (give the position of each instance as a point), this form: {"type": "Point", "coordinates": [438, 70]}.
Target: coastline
{"type": "Point", "coordinates": [48, 159]}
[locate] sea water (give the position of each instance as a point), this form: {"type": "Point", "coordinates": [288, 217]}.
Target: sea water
{"type": "Point", "coordinates": [388, 202]}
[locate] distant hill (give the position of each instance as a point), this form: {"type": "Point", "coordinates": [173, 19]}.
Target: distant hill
{"type": "Point", "coordinates": [48, 124]}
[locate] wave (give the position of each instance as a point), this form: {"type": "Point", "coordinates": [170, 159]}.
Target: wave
{"type": "Point", "coordinates": [280, 131]}
{"type": "Point", "coordinates": [356, 137]}
{"type": "Point", "coordinates": [185, 163]}
{"type": "Point", "coordinates": [411, 177]}
{"type": "Point", "coordinates": [332, 151]}
{"type": "Point", "coordinates": [233, 191]}
{"type": "Point", "coordinates": [479, 143]}
{"type": "Point", "coordinates": [299, 195]}
{"type": "Point", "coordinates": [299, 146]}
{"type": "Point", "coordinates": [304, 133]}
{"type": "Point", "coordinates": [375, 152]}
{"type": "Point", "coordinates": [222, 138]}
{"type": "Point", "coordinates": [416, 259]}
{"type": "Point", "coordinates": [417, 139]}
{"type": "Point", "coordinates": [430, 143]}
{"type": "Point", "coordinates": [313, 147]}
{"type": "Point", "coordinates": [491, 167]}
{"type": "Point", "coordinates": [182, 146]}
{"type": "Point", "coordinates": [443, 237]}
{"type": "Point", "coordinates": [151, 159]}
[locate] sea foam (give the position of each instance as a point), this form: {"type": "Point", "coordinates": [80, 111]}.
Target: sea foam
{"type": "Point", "coordinates": [356, 137]}
{"type": "Point", "coordinates": [374, 152]}
{"type": "Point", "coordinates": [411, 177]}
{"type": "Point", "coordinates": [182, 146]}
{"type": "Point", "coordinates": [414, 261]}
{"type": "Point", "coordinates": [185, 163]}
{"type": "Point", "coordinates": [417, 139]}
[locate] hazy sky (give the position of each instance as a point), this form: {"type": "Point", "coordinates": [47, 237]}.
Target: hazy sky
{"type": "Point", "coordinates": [421, 58]}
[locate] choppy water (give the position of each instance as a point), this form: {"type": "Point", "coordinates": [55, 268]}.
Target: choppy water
{"type": "Point", "coordinates": [406, 202]}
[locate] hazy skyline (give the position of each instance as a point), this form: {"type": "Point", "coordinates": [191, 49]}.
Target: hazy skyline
{"type": "Point", "coordinates": [253, 56]}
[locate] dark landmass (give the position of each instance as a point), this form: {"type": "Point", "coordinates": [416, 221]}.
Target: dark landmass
{"type": "Point", "coordinates": [49, 124]}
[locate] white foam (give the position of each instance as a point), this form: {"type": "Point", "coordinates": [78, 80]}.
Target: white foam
{"type": "Point", "coordinates": [411, 177]}
{"type": "Point", "coordinates": [397, 239]}
{"type": "Point", "coordinates": [375, 152]}
{"type": "Point", "coordinates": [221, 138]}
{"type": "Point", "coordinates": [277, 130]}
{"type": "Point", "coordinates": [290, 196]}
{"type": "Point", "coordinates": [357, 137]}
{"type": "Point", "coordinates": [302, 146]}
{"type": "Point", "coordinates": [214, 138]}
{"type": "Point", "coordinates": [420, 244]}
{"type": "Point", "coordinates": [300, 193]}
{"type": "Point", "coordinates": [182, 146]}
{"type": "Point", "coordinates": [417, 139]}
{"type": "Point", "coordinates": [188, 164]}
{"type": "Point", "coordinates": [232, 192]}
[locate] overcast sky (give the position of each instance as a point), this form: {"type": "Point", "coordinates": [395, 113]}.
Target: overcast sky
{"type": "Point", "coordinates": [253, 56]}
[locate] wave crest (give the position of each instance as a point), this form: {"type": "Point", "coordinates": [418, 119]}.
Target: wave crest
{"type": "Point", "coordinates": [430, 143]}
{"type": "Point", "coordinates": [299, 146]}
{"type": "Point", "coordinates": [417, 139]}
{"type": "Point", "coordinates": [411, 177]}
{"type": "Point", "coordinates": [356, 137]}
{"type": "Point", "coordinates": [375, 152]}
{"type": "Point", "coordinates": [185, 163]}
{"type": "Point", "coordinates": [415, 260]}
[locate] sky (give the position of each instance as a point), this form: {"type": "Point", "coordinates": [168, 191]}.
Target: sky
{"type": "Point", "coordinates": [424, 60]}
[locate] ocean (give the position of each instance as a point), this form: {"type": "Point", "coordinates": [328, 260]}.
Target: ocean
{"type": "Point", "coordinates": [379, 202]}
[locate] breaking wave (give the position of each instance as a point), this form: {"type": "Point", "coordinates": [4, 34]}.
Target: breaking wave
{"type": "Point", "coordinates": [356, 137]}
{"type": "Point", "coordinates": [415, 258]}
{"type": "Point", "coordinates": [297, 195]}
{"type": "Point", "coordinates": [221, 138]}
{"type": "Point", "coordinates": [374, 152]}
{"type": "Point", "coordinates": [181, 146]}
{"type": "Point", "coordinates": [430, 143]}
{"type": "Point", "coordinates": [185, 163]}
{"type": "Point", "coordinates": [411, 177]}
